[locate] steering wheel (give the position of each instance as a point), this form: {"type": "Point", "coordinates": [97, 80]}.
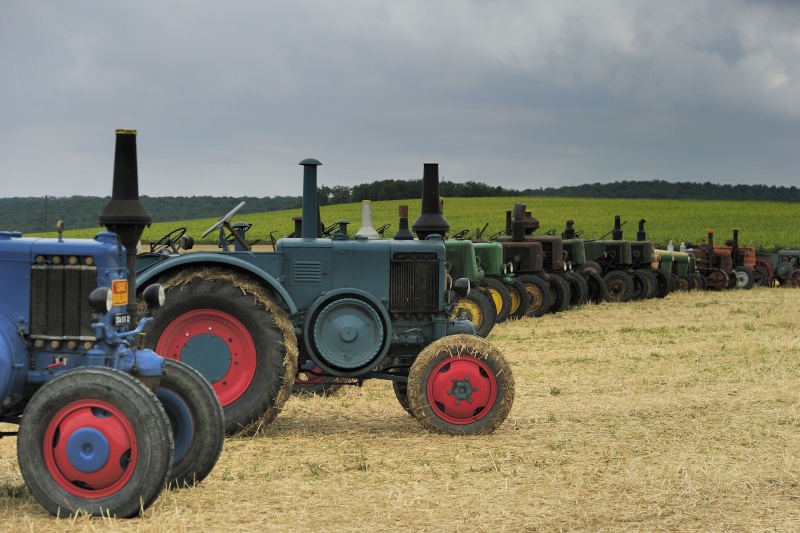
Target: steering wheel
{"type": "Point", "coordinates": [226, 219]}
{"type": "Point", "coordinates": [460, 234]}
{"type": "Point", "coordinates": [170, 241]}
{"type": "Point", "coordinates": [230, 239]}
{"type": "Point", "coordinates": [494, 236]}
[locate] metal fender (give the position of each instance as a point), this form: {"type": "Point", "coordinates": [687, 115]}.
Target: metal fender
{"type": "Point", "coordinates": [147, 276]}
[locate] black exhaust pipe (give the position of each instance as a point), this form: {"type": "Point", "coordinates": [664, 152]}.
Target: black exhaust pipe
{"type": "Point", "coordinates": [403, 233]}
{"type": "Point", "coordinates": [310, 220]}
{"type": "Point", "coordinates": [616, 233]}
{"type": "Point", "coordinates": [430, 220]}
{"type": "Point", "coordinates": [125, 215]}
{"type": "Point", "coordinates": [641, 235]}
{"type": "Point", "coordinates": [518, 224]}
{"type": "Point", "coordinates": [569, 231]}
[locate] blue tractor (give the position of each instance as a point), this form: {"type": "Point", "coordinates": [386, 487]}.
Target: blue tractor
{"type": "Point", "coordinates": [104, 425]}
{"type": "Point", "coordinates": [327, 308]}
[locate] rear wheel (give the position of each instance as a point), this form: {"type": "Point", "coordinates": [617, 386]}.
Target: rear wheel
{"type": "Point", "coordinates": [597, 288]}
{"type": "Point", "coordinates": [619, 286]}
{"type": "Point", "coordinates": [96, 440]}
{"type": "Point", "coordinates": [745, 278]}
{"type": "Point", "coordinates": [665, 283]}
{"type": "Point", "coordinates": [685, 283]}
{"type": "Point", "coordinates": [500, 296]}
{"type": "Point", "coordinates": [230, 329]}
{"type": "Point", "coordinates": [519, 298]}
{"type": "Point", "coordinates": [538, 294]}
{"type": "Point", "coordinates": [460, 384]}
{"type": "Point", "coordinates": [477, 308]}
{"type": "Point", "coordinates": [794, 279]}
{"type": "Point", "coordinates": [578, 289]}
{"type": "Point", "coordinates": [641, 285]}
{"type": "Point", "coordinates": [761, 276]}
{"type": "Point", "coordinates": [559, 294]}
{"type": "Point", "coordinates": [195, 416]}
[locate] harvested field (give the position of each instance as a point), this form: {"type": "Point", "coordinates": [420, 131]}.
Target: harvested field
{"type": "Point", "coordinates": [679, 414]}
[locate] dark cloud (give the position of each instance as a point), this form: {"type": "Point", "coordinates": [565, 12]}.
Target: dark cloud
{"type": "Point", "coordinates": [231, 96]}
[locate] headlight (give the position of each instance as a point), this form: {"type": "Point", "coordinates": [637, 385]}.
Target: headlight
{"type": "Point", "coordinates": [101, 300]}
{"type": "Point", "coordinates": [154, 296]}
{"type": "Point", "coordinates": [461, 286]}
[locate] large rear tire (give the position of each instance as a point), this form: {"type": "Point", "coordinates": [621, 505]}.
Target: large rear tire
{"type": "Point", "coordinates": [94, 440]}
{"type": "Point", "coordinates": [578, 289]}
{"type": "Point", "coordinates": [519, 299]}
{"type": "Point", "coordinates": [195, 416]}
{"type": "Point", "coordinates": [460, 385]}
{"type": "Point", "coordinates": [559, 294]}
{"type": "Point", "coordinates": [619, 286]}
{"type": "Point", "coordinates": [500, 296]}
{"type": "Point", "coordinates": [477, 308]}
{"type": "Point", "coordinates": [538, 294]}
{"type": "Point", "coordinates": [229, 328]}
{"type": "Point", "coordinates": [597, 289]}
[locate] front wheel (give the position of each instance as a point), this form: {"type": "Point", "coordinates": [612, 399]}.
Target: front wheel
{"type": "Point", "coordinates": [619, 286]}
{"type": "Point", "coordinates": [519, 298]}
{"type": "Point", "coordinates": [196, 418]}
{"type": "Point", "coordinates": [94, 440]}
{"type": "Point", "coordinates": [500, 296]}
{"type": "Point", "coordinates": [538, 294]}
{"type": "Point", "coordinates": [461, 385]}
{"type": "Point", "coordinates": [230, 329]}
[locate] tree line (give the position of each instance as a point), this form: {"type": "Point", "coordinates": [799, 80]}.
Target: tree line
{"type": "Point", "coordinates": [38, 214]}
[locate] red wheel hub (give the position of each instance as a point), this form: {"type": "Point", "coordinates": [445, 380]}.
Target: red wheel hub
{"type": "Point", "coordinates": [215, 344]}
{"type": "Point", "coordinates": [90, 449]}
{"type": "Point", "coordinates": [462, 389]}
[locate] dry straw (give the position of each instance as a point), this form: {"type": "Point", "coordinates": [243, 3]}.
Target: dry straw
{"type": "Point", "coordinates": [678, 414]}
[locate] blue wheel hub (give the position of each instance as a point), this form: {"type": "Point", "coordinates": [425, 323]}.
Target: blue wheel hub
{"type": "Point", "coordinates": [88, 450]}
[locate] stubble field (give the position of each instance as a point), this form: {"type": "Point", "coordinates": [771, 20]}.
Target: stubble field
{"type": "Point", "coordinates": [679, 414]}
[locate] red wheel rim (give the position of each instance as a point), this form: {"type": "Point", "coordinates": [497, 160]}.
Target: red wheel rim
{"type": "Point", "coordinates": [90, 449]}
{"type": "Point", "coordinates": [462, 389]}
{"type": "Point", "coordinates": [230, 373]}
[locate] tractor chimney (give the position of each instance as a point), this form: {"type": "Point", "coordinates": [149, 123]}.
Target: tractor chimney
{"type": "Point", "coordinates": [569, 231]}
{"type": "Point", "coordinates": [641, 235]}
{"type": "Point", "coordinates": [366, 222]}
{"type": "Point", "coordinates": [124, 214]}
{"type": "Point", "coordinates": [518, 224]}
{"type": "Point", "coordinates": [430, 221]}
{"type": "Point", "coordinates": [616, 233]}
{"type": "Point", "coordinates": [531, 224]}
{"type": "Point", "coordinates": [735, 248]}
{"type": "Point", "coordinates": [403, 233]}
{"type": "Point", "coordinates": [310, 219]}
{"type": "Point", "coordinates": [710, 245]}
{"type": "Point", "coordinates": [508, 222]}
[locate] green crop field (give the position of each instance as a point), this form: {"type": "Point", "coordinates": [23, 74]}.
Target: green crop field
{"type": "Point", "coordinates": [765, 225]}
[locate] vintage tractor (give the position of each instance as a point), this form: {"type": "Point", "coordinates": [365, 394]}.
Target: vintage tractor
{"type": "Point", "coordinates": [526, 259]}
{"type": "Point", "coordinates": [479, 305]}
{"type": "Point", "coordinates": [355, 308]}
{"type": "Point", "coordinates": [782, 267]}
{"type": "Point", "coordinates": [714, 263]}
{"type": "Point", "coordinates": [104, 425]}
{"type": "Point", "coordinates": [611, 260]}
{"type": "Point", "coordinates": [509, 295]}
{"type": "Point", "coordinates": [643, 266]}
{"type": "Point", "coordinates": [575, 261]}
{"type": "Point", "coordinates": [743, 259]}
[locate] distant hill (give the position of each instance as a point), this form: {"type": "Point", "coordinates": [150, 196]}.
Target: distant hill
{"type": "Point", "coordinates": [38, 214]}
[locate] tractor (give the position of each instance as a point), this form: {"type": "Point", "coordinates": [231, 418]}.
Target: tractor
{"type": "Point", "coordinates": [782, 267]}
{"type": "Point", "coordinates": [575, 261]}
{"type": "Point", "coordinates": [104, 424]}
{"type": "Point", "coordinates": [743, 259]}
{"type": "Point", "coordinates": [353, 308]}
{"type": "Point", "coordinates": [714, 263]}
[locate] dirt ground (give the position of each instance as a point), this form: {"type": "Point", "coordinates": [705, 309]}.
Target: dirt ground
{"type": "Point", "coordinates": [681, 414]}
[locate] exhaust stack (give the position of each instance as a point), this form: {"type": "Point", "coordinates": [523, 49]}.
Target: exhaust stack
{"type": "Point", "coordinates": [310, 220]}
{"type": "Point", "coordinates": [430, 221]}
{"type": "Point", "coordinates": [518, 224]}
{"type": "Point", "coordinates": [641, 235]}
{"type": "Point", "coordinates": [125, 215]}
{"type": "Point", "coordinates": [616, 233]}
{"type": "Point", "coordinates": [569, 231]}
{"type": "Point", "coordinates": [403, 233]}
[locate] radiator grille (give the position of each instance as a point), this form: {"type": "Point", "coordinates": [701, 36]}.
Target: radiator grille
{"type": "Point", "coordinates": [414, 286]}
{"type": "Point", "coordinates": [60, 301]}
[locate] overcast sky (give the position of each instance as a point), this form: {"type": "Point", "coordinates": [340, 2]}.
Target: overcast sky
{"type": "Point", "coordinates": [228, 97]}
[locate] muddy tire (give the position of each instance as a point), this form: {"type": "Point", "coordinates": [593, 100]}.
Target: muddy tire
{"type": "Point", "coordinates": [230, 329]}
{"type": "Point", "coordinates": [460, 385]}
